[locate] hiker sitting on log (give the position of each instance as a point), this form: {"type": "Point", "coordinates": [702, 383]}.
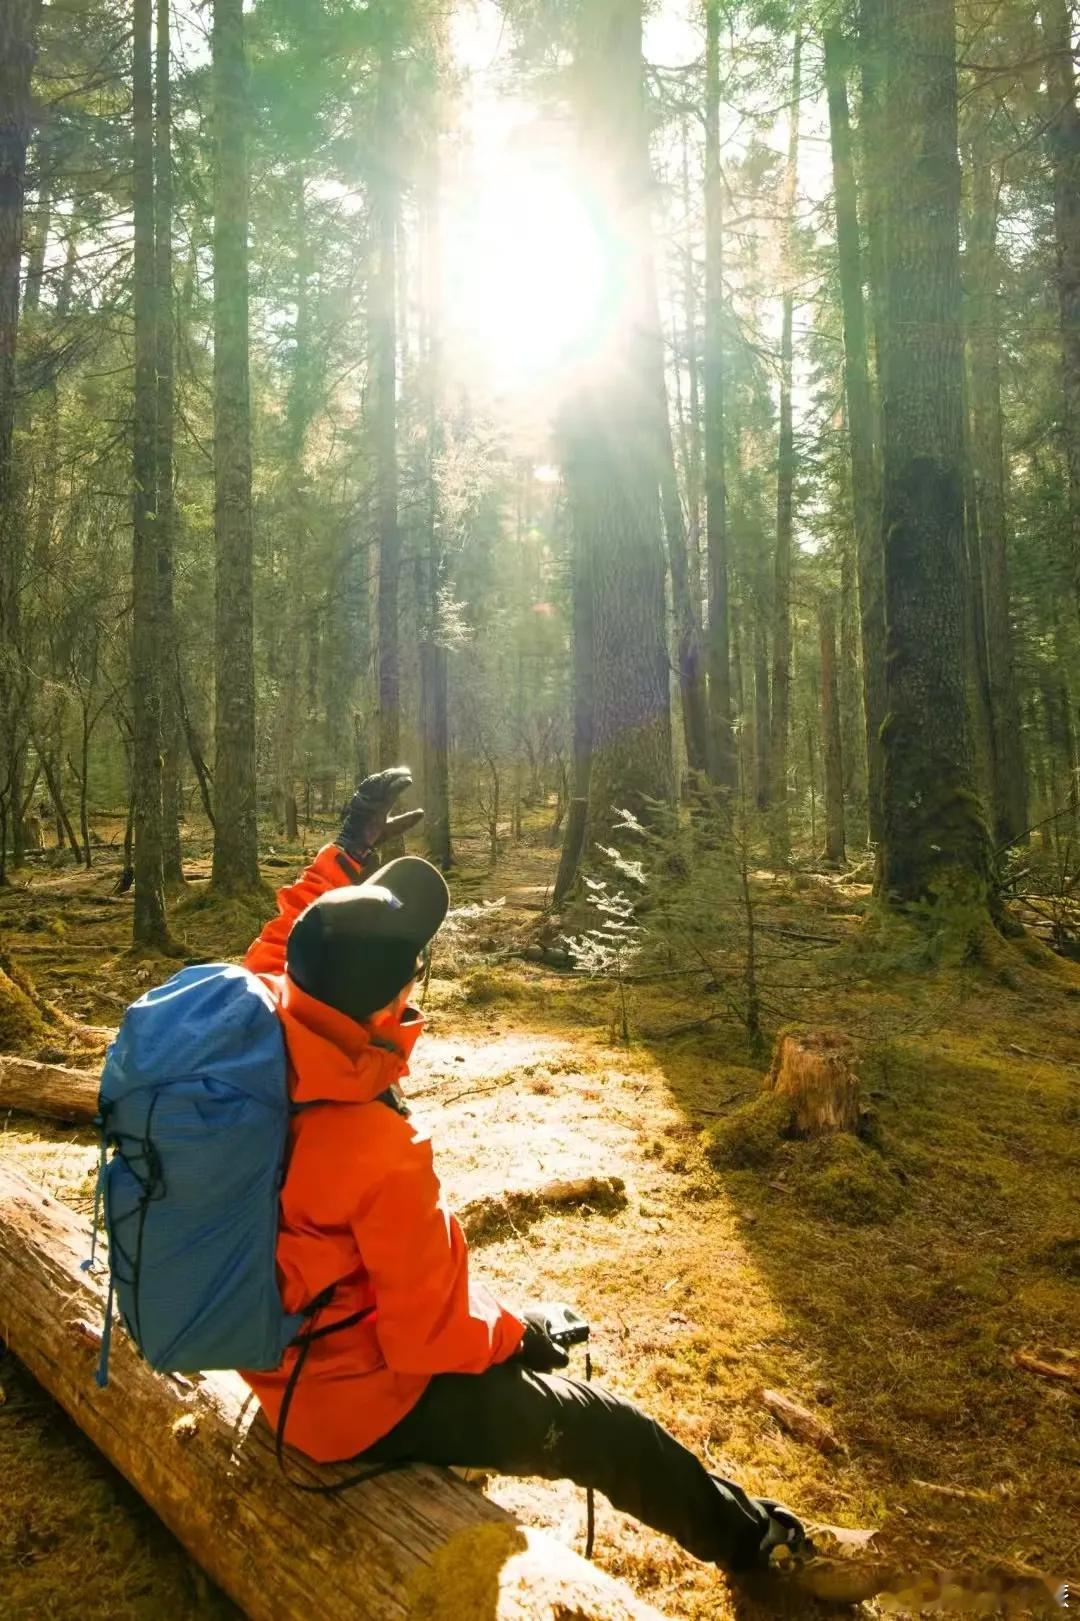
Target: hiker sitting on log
{"type": "Point", "coordinates": [423, 1365]}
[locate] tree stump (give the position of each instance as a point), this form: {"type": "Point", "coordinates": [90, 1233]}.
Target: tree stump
{"type": "Point", "coordinates": [813, 1070]}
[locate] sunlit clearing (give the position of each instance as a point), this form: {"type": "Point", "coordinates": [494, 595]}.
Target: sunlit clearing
{"type": "Point", "coordinates": [527, 272]}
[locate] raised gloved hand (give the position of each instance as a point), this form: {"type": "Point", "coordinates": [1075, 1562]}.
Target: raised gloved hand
{"type": "Point", "coordinates": [538, 1350]}
{"type": "Point", "coordinates": [367, 819]}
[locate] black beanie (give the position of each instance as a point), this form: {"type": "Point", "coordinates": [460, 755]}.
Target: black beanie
{"type": "Point", "coordinates": [356, 948]}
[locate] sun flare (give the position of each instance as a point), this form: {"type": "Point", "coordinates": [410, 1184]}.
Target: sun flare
{"type": "Point", "coordinates": [528, 271]}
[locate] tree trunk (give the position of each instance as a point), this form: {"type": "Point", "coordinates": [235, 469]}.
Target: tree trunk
{"type": "Point", "coordinates": [384, 406]}
{"type": "Point", "coordinates": [865, 485]}
{"type": "Point", "coordinates": [852, 709]}
{"type": "Point", "coordinates": [873, 61]}
{"type": "Point", "coordinates": [205, 1463]}
{"type": "Point", "coordinates": [1065, 154]}
{"type": "Point", "coordinates": [149, 927]}
{"type": "Point", "coordinates": [762, 720]}
{"type": "Point", "coordinates": [935, 836]}
{"type": "Point", "coordinates": [611, 432]}
{"type": "Point", "coordinates": [976, 651]}
{"type": "Point", "coordinates": [693, 373]}
{"type": "Point", "coordinates": [165, 520]}
{"type": "Point", "coordinates": [780, 716]}
{"type": "Point", "coordinates": [723, 765]}
{"type": "Point", "coordinates": [692, 690]}
{"type": "Point", "coordinates": [18, 47]}
{"type": "Point", "coordinates": [298, 413]}
{"type": "Point", "coordinates": [582, 678]}
{"type": "Point", "coordinates": [434, 657]}
{"type": "Point", "coordinates": [236, 861]}
{"type": "Point", "coordinates": [1010, 772]}
{"type": "Point", "coordinates": [831, 744]}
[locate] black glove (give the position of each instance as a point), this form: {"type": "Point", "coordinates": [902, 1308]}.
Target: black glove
{"type": "Point", "coordinates": [367, 820]}
{"type": "Point", "coordinates": [538, 1350]}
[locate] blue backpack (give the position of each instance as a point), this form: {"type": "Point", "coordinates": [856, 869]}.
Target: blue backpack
{"type": "Point", "coordinates": [194, 1104]}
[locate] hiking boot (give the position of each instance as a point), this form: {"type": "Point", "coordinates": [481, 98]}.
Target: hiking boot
{"type": "Point", "coordinates": [784, 1531]}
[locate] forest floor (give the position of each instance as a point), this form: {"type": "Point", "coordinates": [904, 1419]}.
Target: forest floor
{"type": "Point", "coordinates": [886, 1288]}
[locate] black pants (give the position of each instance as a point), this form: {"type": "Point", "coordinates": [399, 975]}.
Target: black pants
{"type": "Point", "coordinates": [516, 1422]}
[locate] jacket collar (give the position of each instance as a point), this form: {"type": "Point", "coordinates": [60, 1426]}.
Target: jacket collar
{"type": "Point", "coordinates": [332, 1056]}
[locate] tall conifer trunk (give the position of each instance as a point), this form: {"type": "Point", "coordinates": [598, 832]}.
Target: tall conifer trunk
{"type": "Point", "coordinates": [936, 842]}
{"type": "Point", "coordinates": [723, 762]}
{"type": "Point", "coordinates": [988, 463]}
{"type": "Point", "coordinates": [384, 350]}
{"type": "Point", "coordinates": [1065, 153]}
{"type": "Point", "coordinates": [165, 521]}
{"type": "Point", "coordinates": [780, 715]}
{"type": "Point", "coordinates": [236, 863]}
{"type": "Point", "coordinates": [149, 923]}
{"type": "Point", "coordinates": [18, 44]}
{"type": "Point", "coordinates": [610, 438]}
{"type": "Point", "coordinates": [434, 657]}
{"type": "Point", "coordinates": [865, 486]}
{"type": "Point", "coordinates": [832, 753]}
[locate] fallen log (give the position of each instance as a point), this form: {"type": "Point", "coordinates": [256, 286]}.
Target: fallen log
{"type": "Point", "coordinates": [494, 1217]}
{"type": "Point", "coordinates": [48, 1089]}
{"type": "Point", "coordinates": [414, 1543]}
{"type": "Point", "coordinates": [813, 1070]}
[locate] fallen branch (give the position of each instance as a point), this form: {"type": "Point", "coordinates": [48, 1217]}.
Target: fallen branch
{"type": "Point", "coordinates": [487, 1219]}
{"type": "Point", "coordinates": [800, 1422]}
{"type": "Point", "coordinates": [51, 1090]}
{"type": "Point", "coordinates": [413, 1542]}
{"type": "Point", "coordinates": [1067, 1367]}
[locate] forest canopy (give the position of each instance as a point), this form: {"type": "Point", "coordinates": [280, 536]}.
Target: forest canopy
{"type": "Point", "coordinates": [601, 406]}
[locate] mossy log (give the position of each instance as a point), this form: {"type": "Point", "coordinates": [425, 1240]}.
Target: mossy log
{"type": "Point", "coordinates": [51, 1090]}
{"type": "Point", "coordinates": [418, 1542]}
{"type": "Point", "coordinates": [814, 1071]}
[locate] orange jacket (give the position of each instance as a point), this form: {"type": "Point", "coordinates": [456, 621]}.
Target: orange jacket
{"type": "Point", "coordinates": [361, 1208]}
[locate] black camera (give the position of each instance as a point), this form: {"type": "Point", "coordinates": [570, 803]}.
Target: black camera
{"type": "Point", "coordinates": [564, 1325]}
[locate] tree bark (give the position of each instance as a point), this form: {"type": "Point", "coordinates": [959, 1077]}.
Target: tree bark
{"type": "Point", "coordinates": [873, 147]}
{"type": "Point", "coordinates": [434, 657]}
{"type": "Point", "coordinates": [723, 767]}
{"type": "Point", "coordinates": [1010, 771]}
{"type": "Point", "coordinates": [583, 684]}
{"type": "Point", "coordinates": [936, 844]}
{"type": "Point", "coordinates": [196, 1451]}
{"type": "Point", "coordinates": [1065, 154]}
{"type": "Point", "coordinates": [831, 743]}
{"type": "Point", "coordinates": [852, 708]}
{"type": "Point", "coordinates": [976, 651]}
{"type": "Point", "coordinates": [780, 712]}
{"type": "Point", "coordinates": [18, 49]}
{"type": "Point", "coordinates": [611, 462]}
{"type": "Point", "coordinates": [865, 483]}
{"type": "Point", "coordinates": [692, 690]}
{"type": "Point", "coordinates": [236, 863]}
{"type": "Point", "coordinates": [149, 928]}
{"type": "Point", "coordinates": [814, 1070]}
{"type": "Point", "coordinates": [299, 408]}
{"type": "Point", "coordinates": [384, 407]}
{"type": "Point", "coordinates": [165, 521]}
{"type": "Point", "coordinates": [50, 1090]}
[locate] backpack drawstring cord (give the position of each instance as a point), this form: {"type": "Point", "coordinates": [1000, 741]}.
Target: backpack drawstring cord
{"type": "Point", "coordinates": [101, 1375]}
{"type": "Point", "coordinates": [99, 1189]}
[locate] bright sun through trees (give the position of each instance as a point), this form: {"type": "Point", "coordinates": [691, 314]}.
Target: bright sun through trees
{"type": "Point", "coordinates": [528, 272]}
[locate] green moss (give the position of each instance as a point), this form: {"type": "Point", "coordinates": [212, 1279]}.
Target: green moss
{"type": "Point", "coordinates": [750, 1136]}
{"type": "Point", "coordinates": [845, 1181]}
{"type": "Point", "coordinates": [486, 986]}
